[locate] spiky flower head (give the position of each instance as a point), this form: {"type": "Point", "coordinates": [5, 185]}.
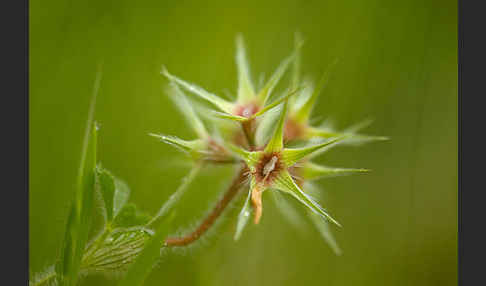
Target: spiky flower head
{"type": "Point", "coordinates": [261, 142]}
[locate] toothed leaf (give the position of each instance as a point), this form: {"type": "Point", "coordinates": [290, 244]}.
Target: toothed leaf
{"type": "Point", "coordinates": [117, 251]}
{"type": "Point", "coordinates": [285, 183]}
{"type": "Point", "coordinates": [122, 193]}
{"type": "Point", "coordinates": [106, 185]}
{"type": "Point", "coordinates": [246, 91]}
{"type": "Point", "coordinates": [220, 103]}
{"type": "Point", "coordinates": [130, 216]}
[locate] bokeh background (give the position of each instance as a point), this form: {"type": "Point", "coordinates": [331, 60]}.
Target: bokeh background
{"type": "Point", "coordinates": [398, 65]}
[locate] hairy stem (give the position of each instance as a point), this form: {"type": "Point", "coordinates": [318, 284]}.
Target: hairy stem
{"type": "Point", "coordinates": [247, 127]}
{"type": "Point", "coordinates": [167, 206]}
{"type": "Point", "coordinates": [215, 213]}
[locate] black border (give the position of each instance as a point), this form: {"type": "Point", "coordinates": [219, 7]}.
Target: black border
{"type": "Point", "coordinates": [471, 155]}
{"type": "Point", "coordinates": [14, 116]}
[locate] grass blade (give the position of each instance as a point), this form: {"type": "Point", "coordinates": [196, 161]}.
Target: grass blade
{"type": "Point", "coordinates": [81, 212]}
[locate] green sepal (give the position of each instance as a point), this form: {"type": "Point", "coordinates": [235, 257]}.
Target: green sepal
{"type": "Point", "coordinates": [220, 103]}
{"type": "Point", "coordinates": [244, 214]}
{"type": "Point", "coordinates": [250, 157]}
{"type": "Point", "coordinates": [246, 91]}
{"type": "Point", "coordinates": [285, 183]}
{"type": "Point", "coordinates": [302, 115]}
{"type": "Point", "coordinates": [311, 171]}
{"type": "Point", "coordinates": [182, 103]}
{"type": "Point", "coordinates": [276, 141]}
{"type": "Point", "coordinates": [293, 155]}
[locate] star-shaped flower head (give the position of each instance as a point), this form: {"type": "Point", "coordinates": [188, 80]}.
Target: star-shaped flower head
{"type": "Point", "coordinates": [249, 103]}
{"type": "Point", "coordinates": [271, 168]}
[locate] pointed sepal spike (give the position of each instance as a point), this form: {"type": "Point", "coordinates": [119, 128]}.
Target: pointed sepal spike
{"type": "Point", "coordinates": [293, 155]}
{"type": "Point", "coordinates": [246, 91]}
{"type": "Point", "coordinates": [302, 115]}
{"type": "Point", "coordinates": [312, 171]}
{"type": "Point", "coordinates": [353, 138]}
{"type": "Point", "coordinates": [250, 157]}
{"type": "Point", "coordinates": [229, 116]}
{"type": "Point", "coordinates": [276, 141]}
{"type": "Point", "coordinates": [267, 89]}
{"type": "Point", "coordinates": [244, 214]}
{"type": "Point", "coordinates": [220, 103]}
{"type": "Point", "coordinates": [288, 95]}
{"type": "Point", "coordinates": [188, 146]}
{"type": "Point", "coordinates": [182, 103]}
{"type": "Point", "coordinates": [285, 183]}
{"type": "Point", "coordinates": [323, 228]}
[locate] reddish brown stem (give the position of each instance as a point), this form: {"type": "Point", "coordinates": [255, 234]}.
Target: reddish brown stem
{"type": "Point", "coordinates": [215, 213]}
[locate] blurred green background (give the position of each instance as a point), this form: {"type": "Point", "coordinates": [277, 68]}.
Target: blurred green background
{"type": "Point", "coordinates": [397, 65]}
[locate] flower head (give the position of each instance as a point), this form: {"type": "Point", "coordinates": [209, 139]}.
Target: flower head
{"type": "Point", "coordinates": [262, 137]}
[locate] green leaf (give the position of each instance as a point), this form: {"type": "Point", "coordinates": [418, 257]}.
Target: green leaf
{"type": "Point", "coordinates": [80, 216]}
{"type": "Point", "coordinates": [312, 171]}
{"type": "Point", "coordinates": [130, 216]}
{"type": "Point", "coordinates": [276, 141]}
{"type": "Point", "coordinates": [143, 264]}
{"type": "Point", "coordinates": [117, 251]}
{"type": "Point", "coordinates": [180, 100]}
{"type": "Point", "coordinates": [285, 183]}
{"type": "Point", "coordinates": [246, 92]}
{"type": "Point", "coordinates": [267, 89]}
{"type": "Point", "coordinates": [302, 115]}
{"type": "Point", "coordinates": [220, 103]}
{"type": "Point", "coordinates": [293, 155]}
{"type": "Point", "coordinates": [122, 192]}
{"type": "Point", "coordinates": [244, 214]}
{"type": "Point", "coordinates": [81, 213]}
{"type": "Point", "coordinates": [107, 188]}
{"type": "Point", "coordinates": [323, 228]}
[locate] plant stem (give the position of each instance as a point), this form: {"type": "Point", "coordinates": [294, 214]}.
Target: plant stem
{"type": "Point", "coordinates": [176, 195]}
{"type": "Point", "coordinates": [143, 264]}
{"type": "Point", "coordinates": [211, 218]}
{"type": "Point", "coordinates": [247, 126]}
